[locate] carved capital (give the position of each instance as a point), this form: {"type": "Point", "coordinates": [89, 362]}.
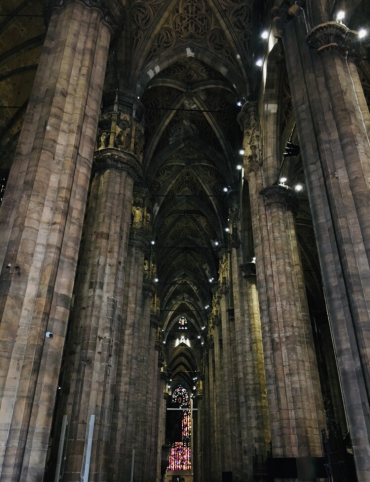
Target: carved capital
{"type": "Point", "coordinates": [121, 125]}
{"type": "Point", "coordinates": [112, 11]}
{"type": "Point", "coordinates": [113, 159]}
{"type": "Point", "coordinates": [139, 238]}
{"type": "Point", "coordinates": [283, 12]}
{"type": "Point", "coordinates": [149, 289]}
{"type": "Point", "coordinates": [278, 194]}
{"type": "Point", "coordinates": [334, 36]}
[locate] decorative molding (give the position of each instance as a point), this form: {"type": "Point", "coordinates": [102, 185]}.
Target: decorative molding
{"type": "Point", "coordinates": [334, 36]}
{"type": "Point", "coordinates": [112, 11]}
{"type": "Point", "coordinates": [111, 158]}
{"type": "Point", "coordinates": [278, 194]}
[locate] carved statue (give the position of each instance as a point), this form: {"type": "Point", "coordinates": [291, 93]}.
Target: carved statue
{"type": "Point", "coordinates": [103, 139]}
{"type": "Point", "coordinates": [137, 213]}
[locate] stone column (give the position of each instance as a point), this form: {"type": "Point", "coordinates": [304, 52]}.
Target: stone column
{"type": "Point", "coordinates": [97, 317]}
{"type": "Point", "coordinates": [293, 388]}
{"type": "Point", "coordinates": [332, 119]}
{"type": "Point", "coordinates": [228, 386]}
{"type": "Point", "coordinates": [41, 224]}
{"type": "Point", "coordinates": [124, 404]}
{"type": "Point", "coordinates": [254, 422]}
{"type": "Point", "coordinates": [162, 411]}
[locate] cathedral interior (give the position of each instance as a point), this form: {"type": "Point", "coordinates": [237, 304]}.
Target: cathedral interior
{"type": "Point", "coordinates": [184, 264]}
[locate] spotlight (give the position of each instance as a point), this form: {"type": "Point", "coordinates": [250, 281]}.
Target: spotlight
{"type": "Point", "coordinates": [138, 97]}
{"type": "Point", "coordinates": [202, 343]}
{"type": "Point", "coordinates": [265, 34]}
{"type": "Point", "coordinates": [239, 167]}
{"type": "Point", "coordinates": [156, 280]}
{"type": "Point", "coordinates": [216, 243]}
{"type": "Point", "coordinates": [242, 152]}
{"type": "Point", "coordinates": [227, 229]}
{"type": "Point", "coordinates": [239, 104]}
{"type": "Point", "coordinates": [210, 280]}
{"type": "Point", "coordinates": [362, 33]}
{"type": "Point", "coordinates": [283, 180]}
{"type": "Point", "coordinates": [198, 337]}
{"type": "Point", "coordinates": [254, 259]}
{"type": "Point", "coordinates": [206, 307]}
{"type": "Point", "coordinates": [152, 242]}
{"type": "Point", "coordinates": [340, 15]}
{"type": "Point", "coordinates": [225, 189]}
{"type": "Point", "coordinates": [298, 187]}
{"type": "Point", "coordinates": [164, 342]}
{"type": "Point", "coordinates": [194, 388]}
{"type": "Point", "coordinates": [259, 63]}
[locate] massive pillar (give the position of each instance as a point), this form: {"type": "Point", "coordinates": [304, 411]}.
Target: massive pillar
{"type": "Point", "coordinates": [332, 119]}
{"type": "Point", "coordinates": [125, 430]}
{"type": "Point", "coordinates": [41, 224]}
{"type": "Point", "coordinates": [293, 388]}
{"type": "Point", "coordinates": [228, 387]}
{"type": "Point", "coordinates": [252, 403]}
{"type": "Point", "coordinates": [97, 319]}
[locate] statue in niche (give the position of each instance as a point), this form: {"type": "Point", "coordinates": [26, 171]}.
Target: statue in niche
{"type": "Point", "coordinates": [122, 140]}
{"type": "Point", "coordinates": [137, 213]}
{"type": "Point", "coordinates": [223, 268]}
{"type": "Point", "coordinates": [103, 139]}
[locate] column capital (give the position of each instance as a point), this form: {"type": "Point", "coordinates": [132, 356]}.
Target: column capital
{"type": "Point", "coordinates": [112, 11]}
{"type": "Point", "coordinates": [284, 12]}
{"type": "Point", "coordinates": [149, 289]}
{"type": "Point", "coordinates": [278, 194]}
{"type": "Point", "coordinates": [111, 158]}
{"type": "Point", "coordinates": [334, 36]}
{"type": "Point", "coordinates": [139, 237]}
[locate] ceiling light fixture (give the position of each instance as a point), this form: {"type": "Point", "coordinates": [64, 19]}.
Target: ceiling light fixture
{"type": "Point", "coordinates": [362, 33]}
{"type": "Point", "coordinates": [259, 63]}
{"type": "Point", "coordinates": [298, 187]}
{"type": "Point", "coordinates": [340, 16]}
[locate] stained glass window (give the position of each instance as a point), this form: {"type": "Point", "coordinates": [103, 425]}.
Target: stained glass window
{"type": "Point", "coordinates": [180, 455]}
{"type": "Point", "coordinates": [183, 323]}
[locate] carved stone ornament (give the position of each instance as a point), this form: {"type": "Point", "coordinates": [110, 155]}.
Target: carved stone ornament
{"type": "Point", "coordinates": [113, 159]}
{"type": "Point", "coordinates": [283, 12]}
{"type": "Point", "coordinates": [113, 11]}
{"type": "Point", "coordinates": [249, 122]}
{"type": "Point", "coordinates": [278, 194]}
{"type": "Point", "coordinates": [334, 36]}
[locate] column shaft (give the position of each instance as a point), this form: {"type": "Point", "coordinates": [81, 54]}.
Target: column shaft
{"type": "Point", "coordinates": [96, 321]}
{"type": "Point", "coordinates": [332, 119]}
{"type": "Point", "coordinates": [41, 221]}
